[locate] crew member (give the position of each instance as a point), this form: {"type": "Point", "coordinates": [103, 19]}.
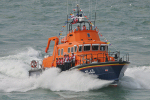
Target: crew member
{"type": "Point", "coordinates": [65, 62]}
{"type": "Point", "coordinates": [68, 61]}
{"type": "Point", "coordinates": [78, 28]}
{"type": "Point", "coordinates": [83, 27]}
{"type": "Point", "coordinates": [116, 57]}
{"type": "Point", "coordinates": [73, 60]}
{"type": "Point", "coordinates": [106, 59]}
{"type": "Point", "coordinates": [56, 62]}
{"type": "Point", "coordinates": [62, 64]}
{"type": "Point", "coordinates": [91, 27]}
{"type": "Point", "coordinates": [59, 63]}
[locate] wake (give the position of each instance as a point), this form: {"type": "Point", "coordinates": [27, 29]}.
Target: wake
{"type": "Point", "coordinates": [136, 78]}
{"type": "Point", "coordinates": [14, 76]}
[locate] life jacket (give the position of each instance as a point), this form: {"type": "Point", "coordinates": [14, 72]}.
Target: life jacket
{"type": "Point", "coordinates": [61, 61]}
{"type": "Point", "coordinates": [73, 58]}
{"type": "Point", "coordinates": [56, 62]}
{"type": "Point", "coordinates": [70, 59]}
{"type": "Point", "coordinates": [67, 59]}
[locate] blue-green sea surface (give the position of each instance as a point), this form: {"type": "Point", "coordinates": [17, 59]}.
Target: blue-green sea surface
{"type": "Point", "coordinates": [26, 25]}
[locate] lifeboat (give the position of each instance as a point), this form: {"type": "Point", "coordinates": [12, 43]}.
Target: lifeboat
{"type": "Point", "coordinates": [81, 49]}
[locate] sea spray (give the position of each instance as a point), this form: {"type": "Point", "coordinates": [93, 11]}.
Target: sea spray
{"type": "Point", "coordinates": [10, 84]}
{"type": "Point", "coordinates": [54, 80]}
{"type": "Point", "coordinates": [70, 80]}
{"type": "Point", "coordinates": [17, 65]}
{"type": "Point", "coordinates": [136, 78]}
{"type": "Point", "coordinates": [14, 76]}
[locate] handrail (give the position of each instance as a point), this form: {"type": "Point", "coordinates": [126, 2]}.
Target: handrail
{"type": "Point", "coordinates": [102, 57]}
{"type": "Point", "coordinates": [62, 38]}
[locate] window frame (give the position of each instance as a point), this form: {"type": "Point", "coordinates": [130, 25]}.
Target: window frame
{"type": "Point", "coordinates": [88, 35]}
{"type": "Point", "coordinates": [72, 48]}
{"type": "Point", "coordinates": [95, 45]}
{"type": "Point", "coordinates": [58, 52]}
{"type": "Point", "coordinates": [62, 51]}
{"type": "Point", "coordinates": [75, 46]}
{"type": "Point", "coordinates": [87, 45]}
{"type": "Point", "coordinates": [104, 45]}
{"type": "Point", "coordinates": [81, 48]}
{"type": "Point", "coordinates": [69, 49]}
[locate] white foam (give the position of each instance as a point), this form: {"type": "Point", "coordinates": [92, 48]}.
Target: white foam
{"type": "Point", "coordinates": [14, 76]}
{"type": "Point", "coordinates": [54, 80]}
{"type": "Point", "coordinates": [18, 64]}
{"type": "Point", "coordinates": [70, 80]}
{"type": "Point", "coordinates": [136, 78]}
{"type": "Point", "coordinates": [9, 84]}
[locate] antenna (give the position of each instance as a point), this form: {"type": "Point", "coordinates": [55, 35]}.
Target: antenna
{"type": "Point", "coordinates": [67, 7]}
{"type": "Point", "coordinates": [78, 9]}
{"type": "Point", "coordinates": [72, 4]}
{"type": "Point", "coordinates": [67, 18]}
{"type": "Point", "coordinates": [95, 12]}
{"type": "Point", "coordinates": [95, 5]}
{"type": "Point", "coordinates": [89, 9]}
{"type": "Point", "coordinates": [79, 2]}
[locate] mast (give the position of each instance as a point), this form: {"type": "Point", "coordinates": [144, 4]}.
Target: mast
{"type": "Point", "coordinates": [67, 17]}
{"type": "Point", "coordinates": [95, 18]}
{"type": "Point", "coordinates": [67, 24]}
{"type": "Point", "coordinates": [77, 9]}
{"type": "Point", "coordinates": [95, 12]}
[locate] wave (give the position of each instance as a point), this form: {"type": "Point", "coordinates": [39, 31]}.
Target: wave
{"type": "Point", "coordinates": [14, 76]}
{"type": "Point", "coordinates": [18, 64]}
{"type": "Point", "coordinates": [136, 78]}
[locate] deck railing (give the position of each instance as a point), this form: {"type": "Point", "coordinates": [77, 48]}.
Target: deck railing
{"type": "Point", "coordinates": [62, 38]}
{"type": "Point", "coordinates": [102, 57]}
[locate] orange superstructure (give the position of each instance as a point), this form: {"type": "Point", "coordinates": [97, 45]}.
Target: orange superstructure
{"type": "Point", "coordinates": [86, 40]}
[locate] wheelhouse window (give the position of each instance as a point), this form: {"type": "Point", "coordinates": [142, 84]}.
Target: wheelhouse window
{"type": "Point", "coordinates": [80, 48]}
{"type": "Point", "coordinates": [62, 50]}
{"type": "Point", "coordinates": [75, 48]}
{"type": "Point", "coordinates": [58, 52]}
{"type": "Point", "coordinates": [95, 47]}
{"type": "Point", "coordinates": [87, 47]}
{"type": "Point", "coordinates": [69, 50]}
{"type": "Point", "coordinates": [106, 48]}
{"type": "Point", "coordinates": [102, 48]}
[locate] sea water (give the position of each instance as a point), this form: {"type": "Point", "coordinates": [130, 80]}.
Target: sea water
{"type": "Point", "coordinates": [25, 27]}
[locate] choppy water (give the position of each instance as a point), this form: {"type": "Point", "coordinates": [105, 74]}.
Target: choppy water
{"type": "Point", "coordinates": [24, 30]}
